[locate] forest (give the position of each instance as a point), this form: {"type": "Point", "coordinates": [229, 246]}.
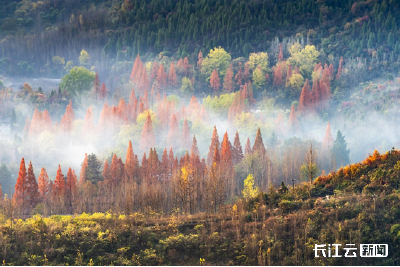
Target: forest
{"type": "Point", "coordinates": [231, 132]}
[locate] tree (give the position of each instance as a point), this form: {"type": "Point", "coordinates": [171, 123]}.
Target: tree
{"type": "Point", "coordinates": [21, 187]}
{"type": "Point", "coordinates": [78, 81]}
{"type": "Point", "coordinates": [237, 152]}
{"type": "Point", "coordinates": [185, 139]}
{"type": "Point", "coordinates": [214, 142]}
{"type": "Point", "coordinates": [147, 139]}
{"type": "Point", "coordinates": [339, 150]}
{"type": "Point", "coordinates": [173, 133]}
{"type": "Point", "coordinates": [187, 86]}
{"type": "Point", "coordinates": [305, 58]}
{"type": "Point", "coordinates": [258, 78]}
{"type": "Point", "coordinates": [71, 186]}
{"type": "Point", "coordinates": [250, 191]}
{"type": "Point", "coordinates": [327, 143]}
{"type": "Point", "coordinates": [59, 186]}
{"type": "Point", "coordinates": [103, 92]}
{"type": "Point", "coordinates": [200, 60]}
{"type": "Point", "coordinates": [43, 184]}
{"type": "Point", "coordinates": [218, 59]}
{"type": "Point", "coordinates": [339, 71]}
{"type": "Point", "coordinates": [214, 81]}
{"type": "Point", "coordinates": [309, 169]}
{"type": "Point", "coordinates": [259, 59]}
{"type": "Point", "coordinates": [295, 82]}
{"type": "Point", "coordinates": [293, 123]}
{"type": "Point", "coordinates": [84, 58]}
{"type": "Point", "coordinates": [32, 187]}
{"type": "Point", "coordinates": [93, 169]}
{"type": "Point", "coordinates": [228, 80]}
{"type": "Point", "coordinates": [258, 146]}
{"type": "Point", "coordinates": [305, 98]}
{"type": "Point", "coordinates": [130, 164]}
{"type": "Point", "coordinates": [83, 174]}
{"type": "Point", "coordinates": [172, 81]}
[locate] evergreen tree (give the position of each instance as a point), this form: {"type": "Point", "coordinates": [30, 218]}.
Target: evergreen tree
{"type": "Point", "coordinates": [339, 151]}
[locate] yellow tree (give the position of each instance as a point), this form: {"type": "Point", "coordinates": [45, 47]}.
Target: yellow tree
{"type": "Point", "coordinates": [250, 191]}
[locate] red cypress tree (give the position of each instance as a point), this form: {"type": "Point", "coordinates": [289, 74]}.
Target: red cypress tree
{"type": "Point", "coordinates": [304, 101]}
{"type": "Point", "coordinates": [278, 73]}
{"type": "Point", "coordinates": [214, 142]}
{"type": "Point", "coordinates": [185, 141]}
{"type": "Point", "coordinates": [147, 139]}
{"type": "Point", "coordinates": [237, 152]}
{"type": "Point", "coordinates": [82, 175]}
{"type": "Point", "coordinates": [165, 170]}
{"type": "Point", "coordinates": [214, 81]}
{"type": "Point", "coordinates": [43, 184]}
{"type": "Point", "coordinates": [135, 69]}
{"type": "Point", "coordinates": [239, 75]}
{"type": "Point", "coordinates": [172, 81]}
{"type": "Point", "coordinates": [106, 171]}
{"type": "Point", "coordinates": [59, 185]}
{"type": "Point", "coordinates": [328, 141]}
{"type": "Point", "coordinates": [130, 164]}
{"type": "Point", "coordinates": [216, 156]}
{"type": "Point", "coordinates": [228, 80]}
{"type": "Point", "coordinates": [161, 78]}
{"type": "Point", "coordinates": [47, 120]}
{"type": "Point", "coordinates": [32, 187]}
{"type": "Point", "coordinates": [103, 92]}
{"type": "Point", "coordinates": [258, 146]}
{"type": "Point", "coordinates": [71, 187]}
{"type": "Point", "coordinates": [316, 95]}
{"type": "Point", "coordinates": [226, 152]}
{"type": "Point", "coordinates": [144, 83]}
{"type": "Point", "coordinates": [88, 125]}
{"type": "Point", "coordinates": [248, 150]}
{"type": "Point", "coordinates": [21, 187]}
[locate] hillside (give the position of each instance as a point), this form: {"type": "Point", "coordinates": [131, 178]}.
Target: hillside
{"type": "Point", "coordinates": [357, 204]}
{"type": "Point", "coordinates": [33, 32]}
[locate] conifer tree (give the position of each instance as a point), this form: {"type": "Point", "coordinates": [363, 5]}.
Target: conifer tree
{"type": "Point", "coordinates": [82, 175]}
{"type": "Point", "coordinates": [214, 81]}
{"type": "Point", "coordinates": [172, 81]}
{"type": "Point", "coordinates": [228, 80]}
{"type": "Point", "coordinates": [237, 152]}
{"type": "Point", "coordinates": [304, 101]}
{"type": "Point", "coordinates": [328, 140]}
{"type": "Point", "coordinates": [59, 185]}
{"type": "Point", "coordinates": [339, 151]}
{"type": "Point", "coordinates": [21, 187]}
{"type": "Point", "coordinates": [147, 139]}
{"type": "Point", "coordinates": [214, 142]}
{"type": "Point", "coordinates": [248, 150]}
{"type": "Point", "coordinates": [43, 183]}
{"type": "Point", "coordinates": [258, 146]}
{"type": "Point", "coordinates": [130, 166]}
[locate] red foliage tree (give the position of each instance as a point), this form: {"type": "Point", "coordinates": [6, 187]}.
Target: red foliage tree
{"type": "Point", "coordinates": [214, 81]}
{"type": "Point", "coordinates": [228, 80]}
{"type": "Point", "coordinates": [258, 146]}
{"type": "Point", "coordinates": [103, 92]}
{"type": "Point", "coordinates": [226, 152]}
{"type": "Point", "coordinates": [172, 81]}
{"type": "Point", "coordinates": [161, 78]}
{"type": "Point", "coordinates": [88, 125]}
{"type": "Point", "coordinates": [106, 171]}
{"type": "Point", "coordinates": [328, 141]}
{"type": "Point", "coordinates": [248, 150]}
{"type": "Point", "coordinates": [147, 139]}
{"type": "Point", "coordinates": [59, 185]}
{"type": "Point", "coordinates": [237, 152]}
{"type": "Point", "coordinates": [339, 71]}
{"type": "Point", "coordinates": [239, 75]}
{"type": "Point", "coordinates": [71, 187]}
{"type": "Point", "coordinates": [130, 164]}
{"type": "Point", "coordinates": [21, 187]}
{"type": "Point", "coordinates": [43, 184]}
{"type": "Point", "coordinates": [304, 101]}
{"type": "Point", "coordinates": [214, 142]}
{"type": "Point", "coordinates": [82, 175]}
